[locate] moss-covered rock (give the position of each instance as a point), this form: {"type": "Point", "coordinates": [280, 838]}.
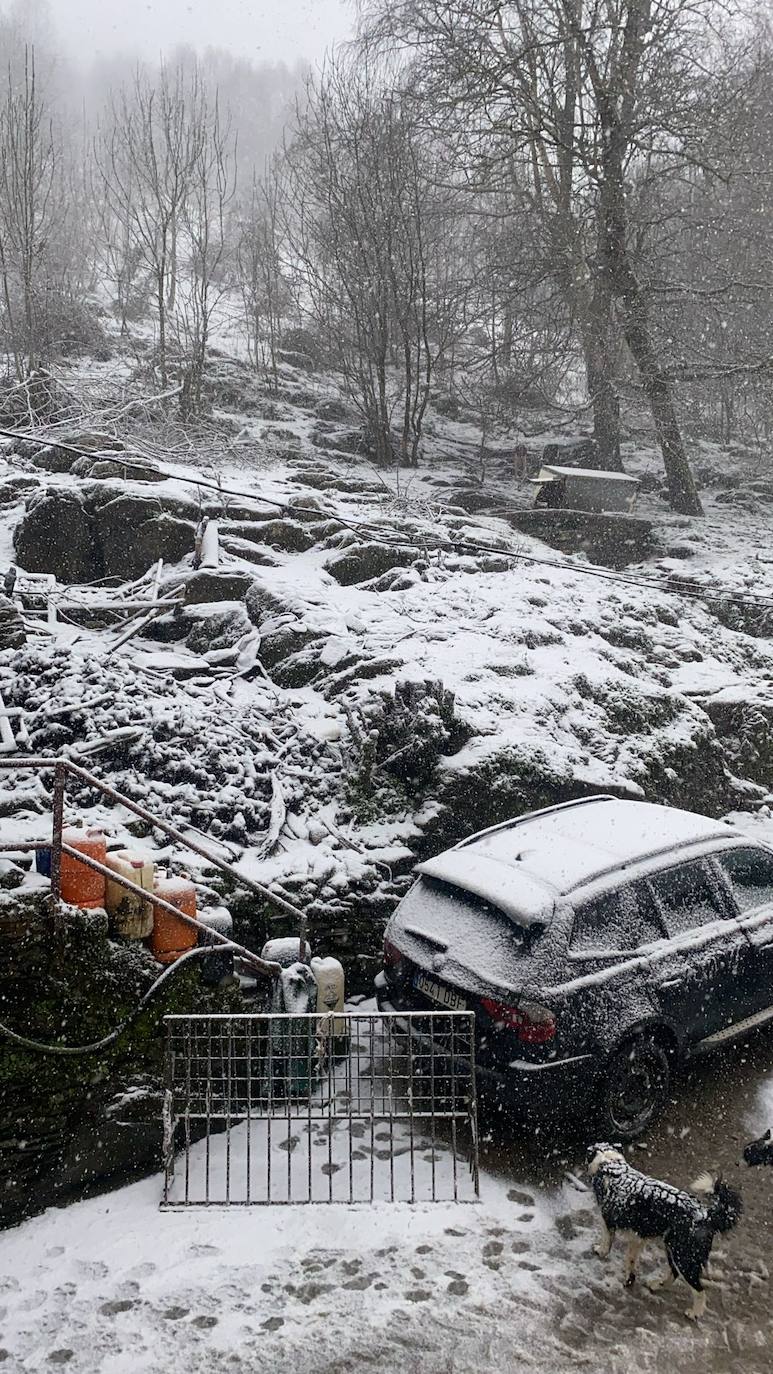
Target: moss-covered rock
{"type": "Point", "coordinates": [64, 981]}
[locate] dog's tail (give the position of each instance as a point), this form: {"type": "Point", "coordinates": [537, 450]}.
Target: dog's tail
{"type": "Point", "coordinates": [724, 1204]}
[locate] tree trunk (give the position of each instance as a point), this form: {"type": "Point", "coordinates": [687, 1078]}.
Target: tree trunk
{"type": "Point", "coordinates": [602, 376]}
{"type": "Point", "coordinates": [682, 491]}
{"type": "Point", "coordinates": [604, 400]}
{"type": "Point", "coordinates": [622, 280]}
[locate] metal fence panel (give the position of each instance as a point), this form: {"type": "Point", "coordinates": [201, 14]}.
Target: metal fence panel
{"type": "Point", "coordinates": [352, 1107]}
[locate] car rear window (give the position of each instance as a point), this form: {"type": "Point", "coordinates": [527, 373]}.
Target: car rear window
{"type": "Point", "coordinates": [615, 922]}
{"type": "Point", "coordinates": [751, 876]}
{"type": "Point", "coordinates": [438, 918]}
{"type": "Point", "coordinates": [687, 897]}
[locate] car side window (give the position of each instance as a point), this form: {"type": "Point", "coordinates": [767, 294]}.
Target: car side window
{"type": "Point", "coordinates": [751, 876]}
{"type": "Point", "coordinates": [618, 921]}
{"type": "Point", "coordinates": [687, 897]}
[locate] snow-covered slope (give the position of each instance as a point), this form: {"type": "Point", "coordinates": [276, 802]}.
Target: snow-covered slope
{"type": "Point", "coordinates": [533, 678]}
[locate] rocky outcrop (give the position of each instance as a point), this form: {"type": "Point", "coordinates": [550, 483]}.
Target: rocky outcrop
{"type": "Point", "coordinates": [362, 562]}
{"type": "Point", "coordinates": [14, 488]}
{"type": "Point", "coordinates": [214, 585]}
{"type": "Point", "coordinates": [57, 536]}
{"type": "Point", "coordinates": [81, 536]}
{"type": "Point", "coordinates": [130, 467]}
{"type": "Point", "coordinates": [614, 540]}
{"type": "Point", "coordinates": [132, 535]}
{"type": "Point", "coordinates": [12, 632]}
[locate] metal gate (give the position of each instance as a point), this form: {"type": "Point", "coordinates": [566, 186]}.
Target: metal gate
{"type": "Point", "coordinates": [352, 1107]}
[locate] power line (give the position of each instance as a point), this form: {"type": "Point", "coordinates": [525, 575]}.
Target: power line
{"type": "Point", "coordinates": [435, 544]}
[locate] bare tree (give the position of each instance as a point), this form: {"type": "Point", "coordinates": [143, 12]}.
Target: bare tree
{"type": "Point", "coordinates": [371, 238]}
{"type": "Point", "coordinates": [578, 94]}
{"type": "Point", "coordinates": [28, 209]}
{"type": "Point", "coordinates": [148, 156]}
{"type": "Point", "coordinates": [202, 217]}
{"type": "Point", "coordinates": [260, 272]}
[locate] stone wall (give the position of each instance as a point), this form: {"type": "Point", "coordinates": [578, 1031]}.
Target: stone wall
{"type": "Point", "coordinates": [70, 1124]}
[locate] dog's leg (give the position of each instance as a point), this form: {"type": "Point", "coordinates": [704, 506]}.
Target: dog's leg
{"type": "Point", "coordinates": [666, 1280]}
{"type": "Point", "coordinates": [631, 1260]}
{"type": "Point", "coordinates": [698, 1304]}
{"type": "Point", "coordinates": [604, 1245]}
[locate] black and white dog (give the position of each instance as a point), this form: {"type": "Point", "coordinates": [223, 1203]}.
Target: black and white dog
{"type": "Point", "coordinates": [646, 1209]}
{"type": "Point", "coordinates": [759, 1151]}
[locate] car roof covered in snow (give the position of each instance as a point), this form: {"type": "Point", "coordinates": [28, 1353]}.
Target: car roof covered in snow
{"type": "Point", "coordinates": [523, 865]}
{"type": "Point", "coordinates": [526, 902]}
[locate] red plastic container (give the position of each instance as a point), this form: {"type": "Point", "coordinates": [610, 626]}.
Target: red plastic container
{"type": "Point", "coordinates": [79, 885]}
{"type": "Point", "coordinates": [170, 937]}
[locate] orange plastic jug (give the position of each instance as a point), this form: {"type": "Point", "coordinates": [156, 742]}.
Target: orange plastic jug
{"type": "Point", "coordinates": [79, 885]}
{"type": "Point", "coordinates": [171, 937]}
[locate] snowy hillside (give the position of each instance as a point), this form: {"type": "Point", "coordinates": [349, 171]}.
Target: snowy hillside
{"type": "Point", "coordinates": [371, 671]}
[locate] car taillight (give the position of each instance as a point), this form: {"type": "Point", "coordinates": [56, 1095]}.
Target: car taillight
{"type": "Point", "coordinates": [392, 956]}
{"type": "Point", "coordinates": [533, 1025]}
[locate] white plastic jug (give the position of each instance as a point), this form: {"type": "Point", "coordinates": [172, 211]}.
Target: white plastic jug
{"type": "Point", "coordinates": [329, 977]}
{"type": "Point", "coordinates": [131, 916]}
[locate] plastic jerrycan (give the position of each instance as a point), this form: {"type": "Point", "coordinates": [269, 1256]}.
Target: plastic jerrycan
{"type": "Point", "coordinates": [130, 915]}
{"type": "Point", "coordinates": [329, 977]}
{"type": "Point", "coordinates": [171, 937]}
{"type": "Point", "coordinates": [79, 885]}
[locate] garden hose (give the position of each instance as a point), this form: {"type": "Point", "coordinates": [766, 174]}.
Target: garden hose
{"type": "Point", "coordinates": [102, 1044]}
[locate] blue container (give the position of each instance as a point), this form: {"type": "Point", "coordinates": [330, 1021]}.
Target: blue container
{"type": "Point", "coordinates": [43, 862]}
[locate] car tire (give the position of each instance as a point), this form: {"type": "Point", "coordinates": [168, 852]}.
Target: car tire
{"type": "Point", "coordinates": [636, 1087]}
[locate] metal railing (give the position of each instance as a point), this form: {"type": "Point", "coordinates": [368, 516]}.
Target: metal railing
{"type": "Point", "coordinates": [343, 1107]}
{"type": "Point", "coordinates": [61, 769]}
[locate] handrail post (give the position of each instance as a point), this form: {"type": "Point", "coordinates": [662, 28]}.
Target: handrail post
{"type": "Point", "coordinates": [57, 821]}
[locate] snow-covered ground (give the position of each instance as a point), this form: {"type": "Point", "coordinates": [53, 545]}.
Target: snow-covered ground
{"type": "Point", "coordinates": [113, 1285]}
{"type": "Point", "coordinates": [559, 678]}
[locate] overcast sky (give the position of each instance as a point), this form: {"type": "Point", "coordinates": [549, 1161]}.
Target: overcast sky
{"type": "Point", "coordinates": [262, 30]}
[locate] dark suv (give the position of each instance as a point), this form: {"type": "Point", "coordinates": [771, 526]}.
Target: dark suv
{"type": "Point", "coordinates": [597, 942]}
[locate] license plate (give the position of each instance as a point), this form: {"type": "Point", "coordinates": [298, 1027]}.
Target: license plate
{"type": "Point", "coordinates": [437, 992]}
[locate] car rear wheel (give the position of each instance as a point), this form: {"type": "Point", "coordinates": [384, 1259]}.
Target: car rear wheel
{"type": "Point", "coordinates": [636, 1087]}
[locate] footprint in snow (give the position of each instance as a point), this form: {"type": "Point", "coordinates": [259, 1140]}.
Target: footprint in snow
{"type": "Point", "coordinates": [174, 1314]}
{"type": "Point", "coordinates": [458, 1287]}
{"type": "Point", "coordinates": [418, 1295]}
{"type": "Point", "coordinates": [92, 1269]}
{"type": "Point", "coordinates": [290, 1143]}
{"type": "Point", "coordinates": [204, 1323]}
{"type": "Point", "coordinates": [523, 1199]}
{"type": "Point", "coordinates": [273, 1323]}
{"type": "Point", "coordinates": [146, 1268]}
{"type": "Point", "coordinates": [60, 1356]}
{"type": "Point", "coordinates": [111, 1309]}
